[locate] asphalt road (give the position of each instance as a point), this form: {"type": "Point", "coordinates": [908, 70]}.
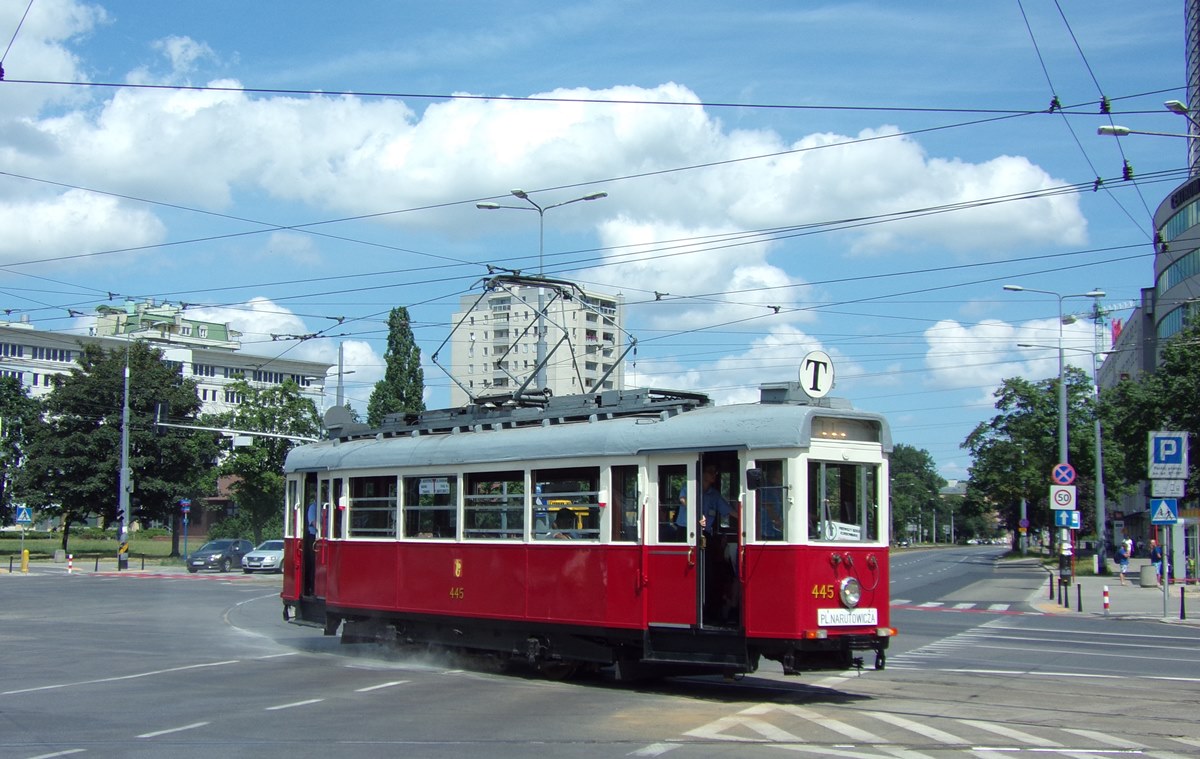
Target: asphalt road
{"type": "Point", "coordinates": [204, 666]}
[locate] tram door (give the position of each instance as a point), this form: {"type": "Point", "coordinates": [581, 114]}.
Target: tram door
{"type": "Point", "coordinates": [309, 520]}
{"type": "Point", "coordinates": [673, 564]}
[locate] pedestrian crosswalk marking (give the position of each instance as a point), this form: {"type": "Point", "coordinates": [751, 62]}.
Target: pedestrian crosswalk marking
{"type": "Point", "coordinates": [751, 725]}
{"type": "Point", "coordinates": [919, 728]}
{"type": "Point", "coordinates": [1008, 732]}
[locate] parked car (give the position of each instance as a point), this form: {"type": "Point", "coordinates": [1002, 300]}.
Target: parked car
{"type": "Point", "coordinates": [268, 557]}
{"type": "Point", "coordinates": [221, 555]}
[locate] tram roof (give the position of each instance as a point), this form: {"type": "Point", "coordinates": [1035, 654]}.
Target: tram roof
{"type": "Point", "coordinates": [753, 426]}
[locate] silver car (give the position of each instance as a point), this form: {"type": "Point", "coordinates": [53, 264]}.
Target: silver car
{"type": "Point", "coordinates": [268, 557]}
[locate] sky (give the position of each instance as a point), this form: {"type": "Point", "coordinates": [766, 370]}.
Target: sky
{"type": "Point", "coordinates": [861, 178]}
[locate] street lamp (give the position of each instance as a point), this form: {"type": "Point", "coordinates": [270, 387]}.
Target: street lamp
{"type": "Point", "coordinates": [1121, 131]}
{"type": "Point", "coordinates": [541, 212]}
{"type": "Point", "coordinates": [1101, 498]}
{"type": "Point", "coordinates": [1062, 390]}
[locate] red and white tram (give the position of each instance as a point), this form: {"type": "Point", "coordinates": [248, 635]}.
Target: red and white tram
{"type": "Point", "coordinates": [555, 534]}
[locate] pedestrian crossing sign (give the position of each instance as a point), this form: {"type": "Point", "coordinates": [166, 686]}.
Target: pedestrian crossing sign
{"type": "Point", "coordinates": [1164, 511]}
{"type": "Point", "coordinates": [23, 515]}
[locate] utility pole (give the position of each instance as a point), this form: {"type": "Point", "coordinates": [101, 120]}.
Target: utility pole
{"type": "Point", "coordinates": [123, 515]}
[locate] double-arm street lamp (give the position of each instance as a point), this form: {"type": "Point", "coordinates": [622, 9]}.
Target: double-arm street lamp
{"type": "Point", "coordinates": [1062, 395]}
{"type": "Point", "coordinates": [541, 311]}
{"type": "Point", "coordinates": [541, 211]}
{"type": "Point", "coordinates": [1101, 549]}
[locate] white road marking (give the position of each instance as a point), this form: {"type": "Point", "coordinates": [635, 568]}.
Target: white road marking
{"type": "Point", "coordinates": [294, 704]}
{"type": "Point", "coordinates": [157, 733]}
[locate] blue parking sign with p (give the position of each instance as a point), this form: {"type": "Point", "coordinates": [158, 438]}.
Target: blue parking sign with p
{"type": "Point", "coordinates": [1168, 456]}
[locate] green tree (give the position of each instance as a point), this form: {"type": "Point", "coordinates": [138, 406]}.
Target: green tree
{"type": "Point", "coordinates": [258, 485]}
{"type": "Point", "coordinates": [1165, 399]}
{"type": "Point", "coordinates": [19, 416]}
{"type": "Point", "coordinates": [915, 486]}
{"type": "Point", "coordinates": [403, 385]}
{"type": "Point", "coordinates": [1014, 453]}
{"type": "Point", "coordinates": [72, 466]}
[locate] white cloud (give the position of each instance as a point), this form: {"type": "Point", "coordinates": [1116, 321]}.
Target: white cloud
{"type": "Point", "coordinates": [72, 223]}
{"type": "Point", "coordinates": [736, 377]}
{"type": "Point", "coordinates": [984, 354]}
{"type": "Point", "coordinates": [346, 155]}
{"type": "Point", "coordinates": [40, 52]}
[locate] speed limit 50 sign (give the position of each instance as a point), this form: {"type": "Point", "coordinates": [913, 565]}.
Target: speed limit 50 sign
{"type": "Point", "coordinates": [1062, 497]}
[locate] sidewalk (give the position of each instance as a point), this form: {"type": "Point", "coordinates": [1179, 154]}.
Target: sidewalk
{"type": "Point", "coordinates": [1129, 601]}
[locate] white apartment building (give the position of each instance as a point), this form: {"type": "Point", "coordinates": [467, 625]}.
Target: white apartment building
{"type": "Point", "coordinates": [208, 351]}
{"type": "Point", "coordinates": [494, 347]}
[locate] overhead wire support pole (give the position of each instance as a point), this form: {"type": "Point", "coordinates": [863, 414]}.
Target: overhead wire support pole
{"type": "Point", "coordinates": [124, 485]}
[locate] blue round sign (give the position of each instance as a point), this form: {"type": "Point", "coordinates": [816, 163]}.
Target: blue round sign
{"type": "Point", "coordinates": [1063, 474]}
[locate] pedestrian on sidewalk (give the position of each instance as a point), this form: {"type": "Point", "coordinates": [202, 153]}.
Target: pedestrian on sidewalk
{"type": "Point", "coordinates": [1156, 558]}
{"type": "Point", "coordinates": [1123, 560]}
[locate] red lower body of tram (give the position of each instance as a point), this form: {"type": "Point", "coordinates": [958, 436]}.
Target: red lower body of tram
{"type": "Point", "coordinates": [641, 607]}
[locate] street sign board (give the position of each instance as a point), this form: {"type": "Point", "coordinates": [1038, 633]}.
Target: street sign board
{"type": "Point", "coordinates": [1168, 456]}
{"type": "Point", "coordinates": [1062, 497]}
{"type": "Point", "coordinates": [1166, 488]}
{"type": "Point", "coordinates": [1069, 519]}
{"type": "Point", "coordinates": [23, 515]}
{"type": "Point", "coordinates": [1063, 474]}
{"type": "Point", "coordinates": [1164, 511]}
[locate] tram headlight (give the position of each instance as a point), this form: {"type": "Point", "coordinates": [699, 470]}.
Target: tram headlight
{"type": "Point", "coordinates": [850, 591]}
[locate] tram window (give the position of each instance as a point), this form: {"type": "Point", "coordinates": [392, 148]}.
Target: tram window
{"type": "Point", "coordinates": [339, 511]}
{"type": "Point", "coordinates": [494, 506]}
{"type": "Point", "coordinates": [770, 502]}
{"type": "Point", "coordinates": [672, 492]}
{"type": "Point", "coordinates": [431, 507]}
{"type": "Point", "coordinates": [624, 501]}
{"type": "Point", "coordinates": [843, 502]}
{"type": "Point", "coordinates": [295, 511]}
{"type": "Point", "coordinates": [325, 490]}
{"type": "Point", "coordinates": [372, 507]}
{"type": "Point", "coordinates": [576, 489]}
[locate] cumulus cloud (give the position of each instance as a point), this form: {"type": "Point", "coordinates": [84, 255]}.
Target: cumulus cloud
{"type": "Point", "coordinates": [71, 224]}
{"type": "Point", "coordinates": [735, 377]}
{"type": "Point", "coordinates": [983, 355]}
{"type": "Point", "coordinates": [269, 329]}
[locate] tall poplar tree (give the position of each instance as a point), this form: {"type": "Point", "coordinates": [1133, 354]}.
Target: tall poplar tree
{"type": "Point", "coordinates": [403, 385]}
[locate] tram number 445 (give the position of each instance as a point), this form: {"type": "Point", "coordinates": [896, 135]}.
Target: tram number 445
{"type": "Point", "coordinates": [826, 591]}
{"type": "Point", "coordinates": [457, 593]}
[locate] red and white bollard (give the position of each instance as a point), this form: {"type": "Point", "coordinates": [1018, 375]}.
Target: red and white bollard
{"type": "Point", "coordinates": [1106, 600]}
{"type": "Point", "coordinates": [70, 564]}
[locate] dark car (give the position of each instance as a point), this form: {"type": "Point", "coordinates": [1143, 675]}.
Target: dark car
{"type": "Point", "coordinates": [220, 555]}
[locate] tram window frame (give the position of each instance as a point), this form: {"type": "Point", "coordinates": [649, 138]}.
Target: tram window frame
{"type": "Point", "coordinates": [861, 479]}
{"type": "Point", "coordinates": [324, 494]}
{"type": "Point", "coordinates": [624, 503]}
{"type": "Point", "coordinates": [428, 505]}
{"type": "Point", "coordinates": [770, 497]}
{"type": "Point", "coordinates": [372, 507]}
{"type": "Point", "coordinates": [574, 488]}
{"type": "Point", "coordinates": [508, 505]}
{"type": "Point", "coordinates": [295, 511]}
{"type": "Point", "coordinates": [674, 482]}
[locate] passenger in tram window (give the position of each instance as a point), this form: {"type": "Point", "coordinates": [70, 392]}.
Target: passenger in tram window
{"type": "Point", "coordinates": [770, 502]}
{"type": "Point", "coordinates": [312, 518]}
{"type": "Point", "coordinates": [714, 507]}
{"type": "Point", "coordinates": [564, 524]}
{"type": "Point", "coordinates": [681, 516]}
